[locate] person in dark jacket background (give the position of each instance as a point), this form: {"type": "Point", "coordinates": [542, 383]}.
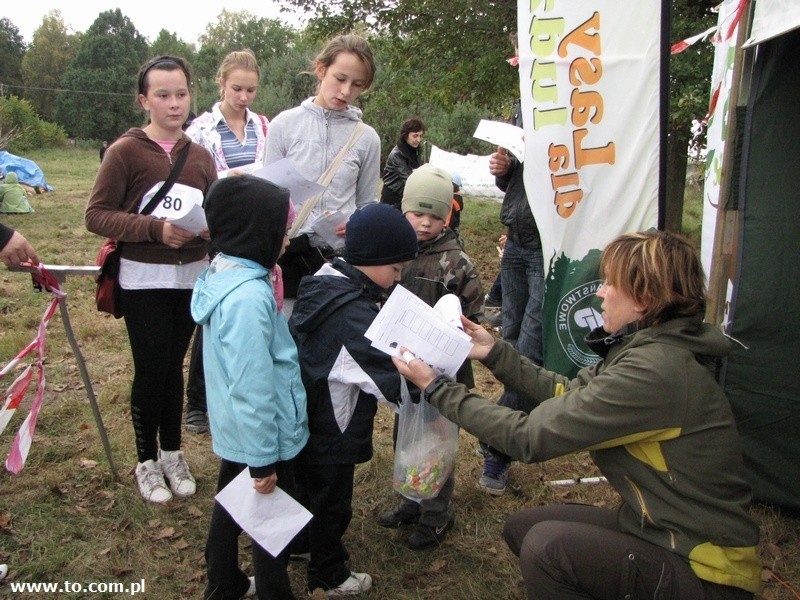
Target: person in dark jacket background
{"type": "Point", "coordinates": [522, 283]}
{"type": "Point", "coordinates": [402, 160]}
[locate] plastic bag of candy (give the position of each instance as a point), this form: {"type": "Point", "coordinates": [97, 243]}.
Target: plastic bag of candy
{"type": "Point", "coordinates": [425, 451]}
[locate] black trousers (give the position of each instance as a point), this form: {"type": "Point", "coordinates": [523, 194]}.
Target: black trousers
{"type": "Point", "coordinates": [226, 581]}
{"type": "Point", "coordinates": [328, 491]}
{"type": "Point", "coordinates": [576, 551]}
{"type": "Point", "coordinates": [159, 328]}
{"type": "Point", "coordinates": [196, 382]}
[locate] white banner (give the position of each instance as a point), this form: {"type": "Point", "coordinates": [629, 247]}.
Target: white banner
{"type": "Point", "coordinates": [590, 89]}
{"type": "Point", "coordinates": [721, 79]}
{"type": "Point", "coordinates": [772, 18]}
{"type": "Point", "coordinates": [473, 170]}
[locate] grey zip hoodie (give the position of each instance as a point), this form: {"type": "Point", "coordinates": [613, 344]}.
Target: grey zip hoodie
{"type": "Point", "coordinates": [311, 137]}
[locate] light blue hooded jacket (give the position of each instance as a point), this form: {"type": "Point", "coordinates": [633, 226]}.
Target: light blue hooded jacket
{"type": "Point", "coordinates": [256, 399]}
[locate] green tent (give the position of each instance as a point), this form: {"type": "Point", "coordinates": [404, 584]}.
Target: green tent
{"type": "Point", "coordinates": [761, 277]}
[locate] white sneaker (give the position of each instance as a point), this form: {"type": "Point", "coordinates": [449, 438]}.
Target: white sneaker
{"type": "Point", "coordinates": [3, 572]}
{"type": "Point", "coordinates": [175, 469]}
{"type": "Point", "coordinates": [356, 584]}
{"type": "Point", "coordinates": [151, 482]}
{"type": "Point", "coordinates": [251, 591]}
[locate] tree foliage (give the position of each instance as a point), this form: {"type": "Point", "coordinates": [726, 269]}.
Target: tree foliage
{"type": "Point", "coordinates": [237, 30]}
{"type": "Point", "coordinates": [690, 86]}
{"type": "Point", "coordinates": [169, 44]}
{"type": "Point", "coordinates": [12, 49]}
{"type": "Point", "coordinates": [23, 130]}
{"type": "Point", "coordinates": [46, 61]}
{"type": "Point", "coordinates": [99, 101]}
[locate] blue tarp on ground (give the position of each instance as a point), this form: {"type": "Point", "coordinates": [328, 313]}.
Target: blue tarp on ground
{"type": "Point", "coordinates": [28, 172]}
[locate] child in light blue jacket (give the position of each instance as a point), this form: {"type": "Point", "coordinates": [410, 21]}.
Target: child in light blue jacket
{"type": "Point", "coordinates": [256, 399]}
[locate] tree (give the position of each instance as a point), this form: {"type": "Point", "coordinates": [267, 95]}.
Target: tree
{"type": "Point", "coordinates": [169, 44]}
{"type": "Point", "coordinates": [286, 79]}
{"type": "Point", "coordinates": [239, 30]}
{"type": "Point", "coordinates": [12, 49]}
{"type": "Point", "coordinates": [46, 61]}
{"type": "Point", "coordinates": [99, 99]}
{"type": "Point", "coordinates": [690, 83]}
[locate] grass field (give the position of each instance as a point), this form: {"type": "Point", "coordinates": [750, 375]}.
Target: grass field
{"type": "Point", "coordinates": [65, 518]}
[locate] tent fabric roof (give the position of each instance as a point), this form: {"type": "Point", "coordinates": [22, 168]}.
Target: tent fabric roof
{"type": "Point", "coordinates": [28, 172]}
{"type": "Point", "coordinates": [773, 18]}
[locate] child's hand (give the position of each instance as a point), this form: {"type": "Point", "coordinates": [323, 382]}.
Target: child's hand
{"type": "Point", "coordinates": [175, 237]}
{"type": "Point", "coordinates": [265, 485]}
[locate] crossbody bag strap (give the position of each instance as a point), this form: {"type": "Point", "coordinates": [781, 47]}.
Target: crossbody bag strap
{"type": "Point", "coordinates": [325, 179]}
{"type": "Point", "coordinates": [173, 175]}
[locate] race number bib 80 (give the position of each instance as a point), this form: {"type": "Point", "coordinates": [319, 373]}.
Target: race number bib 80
{"type": "Point", "coordinates": [178, 201]}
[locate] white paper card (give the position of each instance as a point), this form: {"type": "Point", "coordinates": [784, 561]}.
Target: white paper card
{"type": "Point", "coordinates": [506, 135]}
{"type": "Point", "coordinates": [194, 220]}
{"type": "Point", "coordinates": [272, 520]}
{"type": "Point", "coordinates": [243, 170]}
{"type": "Point", "coordinates": [325, 227]}
{"type": "Point", "coordinates": [283, 173]}
{"type": "Point", "coordinates": [406, 320]}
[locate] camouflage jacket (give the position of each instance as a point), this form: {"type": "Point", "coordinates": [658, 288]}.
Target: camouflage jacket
{"type": "Point", "coordinates": [442, 267]}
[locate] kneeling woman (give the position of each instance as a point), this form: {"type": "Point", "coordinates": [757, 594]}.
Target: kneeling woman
{"type": "Point", "coordinates": [657, 425]}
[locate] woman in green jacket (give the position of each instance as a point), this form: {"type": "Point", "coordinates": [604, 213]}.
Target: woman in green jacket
{"type": "Point", "coordinates": [655, 422]}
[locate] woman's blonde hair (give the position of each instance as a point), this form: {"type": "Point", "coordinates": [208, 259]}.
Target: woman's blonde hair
{"type": "Point", "coordinates": [660, 270]}
{"type": "Point", "coordinates": [238, 59]}
{"type": "Point", "coordinates": [352, 44]}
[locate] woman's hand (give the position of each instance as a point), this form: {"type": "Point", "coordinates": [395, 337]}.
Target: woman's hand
{"type": "Point", "coordinates": [265, 485]}
{"type": "Point", "coordinates": [18, 251]}
{"type": "Point", "coordinates": [482, 340]}
{"type": "Point", "coordinates": [415, 370]}
{"type": "Point", "coordinates": [175, 237]}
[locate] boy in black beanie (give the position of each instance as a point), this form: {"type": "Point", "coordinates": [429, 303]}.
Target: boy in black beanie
{"type": "Point", "coordinates": [345, 378]}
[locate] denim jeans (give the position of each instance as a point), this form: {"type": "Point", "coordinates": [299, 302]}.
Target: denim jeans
{"type": "Point", "coordinates": [495, 294]}
{"type": "Point", "coordinates": [522, 272]}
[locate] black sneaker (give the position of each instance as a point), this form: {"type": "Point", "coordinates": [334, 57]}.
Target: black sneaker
{"type": "Point", "coordinates": [397, 517]}
{"type": "Point", "coordinates": [428, 536]}
{"type": "Point", "coordinates": [196, 421]}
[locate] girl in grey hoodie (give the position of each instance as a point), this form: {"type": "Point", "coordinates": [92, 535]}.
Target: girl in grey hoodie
{"type": "Point", "coordinates": [311, 136]}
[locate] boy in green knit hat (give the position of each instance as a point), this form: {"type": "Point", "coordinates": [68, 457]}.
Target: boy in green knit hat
{"type": "Point", "coordinates": [441, 267]}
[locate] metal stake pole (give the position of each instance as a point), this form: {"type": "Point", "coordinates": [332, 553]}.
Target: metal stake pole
{"type": "Point", "coordinates": [87, 382]}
